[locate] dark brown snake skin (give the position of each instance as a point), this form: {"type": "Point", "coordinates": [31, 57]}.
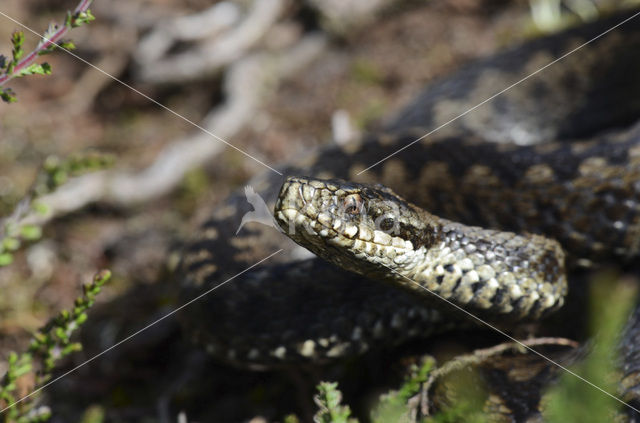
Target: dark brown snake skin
{"type": "Point", "coordinates": [558, 154]}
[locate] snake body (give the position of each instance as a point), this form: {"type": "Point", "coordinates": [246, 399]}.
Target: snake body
{"type": "Point", "coordinates": [557, 155]}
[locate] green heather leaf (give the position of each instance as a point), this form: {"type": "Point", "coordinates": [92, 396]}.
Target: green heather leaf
{"type": "Point", "coordinates": [291, 418]}
{"type": "Point", "coordinates": [6, 259]}
{"type": "Point", "coordinates": [67, 45]}
{"type": "Point", "coordinates": [36, 69]}
{"type": "Point", "coordinates": [17, 39]}
{"type": "Point", "coordinates": [31, 232]}
{"type": "Point", "coordinates": [10, 244]}
{"type": "Point", "coordinates": [93, 414]}
{"type": "Point", "coordinates": [59, 177]}
{"type": "Point", "coordinates": [328, 400]}
{"type": "Point", "coordinates": [81, 318]}
{"type": "Point", "coordinates": [82, 18]}
{"type": "Point", "coordinates": [40, 208]}
{"type": "Point", "coordinates": [7, 95]}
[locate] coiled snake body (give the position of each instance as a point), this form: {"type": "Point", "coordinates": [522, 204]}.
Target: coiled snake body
{"type": "Point", "coordinates": [557, 155]}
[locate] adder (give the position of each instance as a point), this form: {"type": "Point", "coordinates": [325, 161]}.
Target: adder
{"type": "Point", "coordinates": [556, 155]}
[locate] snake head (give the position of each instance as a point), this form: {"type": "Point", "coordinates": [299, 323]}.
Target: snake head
{"type": "Point", "coordinates": [360, 227]}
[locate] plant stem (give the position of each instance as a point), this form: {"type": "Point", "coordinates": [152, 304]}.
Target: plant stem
{"type": "Point", "coordinates": [83, 6]}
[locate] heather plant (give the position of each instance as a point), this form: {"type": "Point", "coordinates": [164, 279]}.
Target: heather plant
{"type": "Point", "coordinates": [30, 371]}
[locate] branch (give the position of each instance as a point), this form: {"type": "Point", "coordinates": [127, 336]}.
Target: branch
{"type": "Point", "coordinates": [210, 55]}
{"type": "Point", "coordinates": [50, 40]}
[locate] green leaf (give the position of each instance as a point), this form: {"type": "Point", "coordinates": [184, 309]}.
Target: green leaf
{"type": "Point", "coordinates": [61, 334]}
{"type": "Point", "coordinates": [31, 232]}
{"type": "Point", "coordinates": [81, 318]}
{"type": "Point", "coordinates": [13, 358]}
{"type": "Point", "coordinates": [67, 45]}
{"type": "Point", "coordinates": [102, 277]}
{"type": "Point", "coordinates": [36, 69]}
{"type": "Point", "coordinates": [10, 244]}
{"type": "Point", "coordinates": [51, 164]}
{"type": "Point", "coordinates": [93, 414]}
{"type": "Point", "coordinates": [68, 20]}
{"type": "Point", "coordinates": [24, 369]}
{"type": "Point", "coordinates": [329, 400]}
{"type": "Point", "coordinates": [393, 406]}
{"type": "Point", "coordinates": [40, 208]}
{"type": "Point", "coordinates": [59, 177]}
{"type": "Point", "coordinates": [73, 347]}
{"type": "Point", "coordinates": [7, 95]}
{"type": "Point", "coordinates": [17, 39]}
{"type": "Point", "coordinates": [6, 259]}
{"type": "Point", "coordinates": [79, 19]}
{"type": "Point", "coordinates": [82, 18]}
{"type": "Point", "coordinates": [64, 44]}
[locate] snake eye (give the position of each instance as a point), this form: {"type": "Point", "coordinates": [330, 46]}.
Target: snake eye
{"type": "Point", "coordinates": [353, 204]}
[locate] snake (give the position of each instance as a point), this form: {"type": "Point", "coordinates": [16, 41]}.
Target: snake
{"type": "Point", "coordinates": [544, 179]}
{"type": "Point", "coordinates": [373, 231]}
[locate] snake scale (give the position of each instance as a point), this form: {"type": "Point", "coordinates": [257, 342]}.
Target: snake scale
{"type": "Point", "coordinates": [557, 155]}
